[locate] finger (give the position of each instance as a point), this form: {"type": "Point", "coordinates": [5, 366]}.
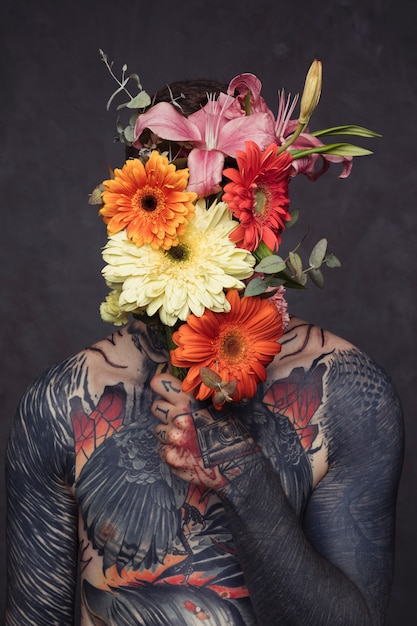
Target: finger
{"type": "Point", "coordinates": [166, 385]}
{"type": "Point", "coordinates": [160, 408]}
{"type": "Point", "coordinates": [176, 458]}
{"type": "Point", "coordinates": [161, 434]}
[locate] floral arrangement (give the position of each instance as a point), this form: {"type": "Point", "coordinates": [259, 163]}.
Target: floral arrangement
{"type": "Point", "coordinates": [195, 223]}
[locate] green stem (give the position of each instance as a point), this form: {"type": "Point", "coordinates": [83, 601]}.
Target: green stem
{"type": "Point", "coordinates": [178, 372]}
{"type": "Point", "coordinates": [293, 137]}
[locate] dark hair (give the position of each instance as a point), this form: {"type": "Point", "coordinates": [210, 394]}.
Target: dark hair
{"type": "Point", "coordinates": [191, 95]}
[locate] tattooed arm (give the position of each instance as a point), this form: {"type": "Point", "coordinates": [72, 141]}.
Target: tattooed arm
{"type": "Point", "coordinates": [42, 519]}
{"type": "Point", "coordinates": [335, 565]}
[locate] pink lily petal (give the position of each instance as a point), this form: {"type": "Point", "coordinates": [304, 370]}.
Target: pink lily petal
{"type": "Point", "coordinates": [165, 121]}
{"type": "Point", "coordinates": [210, 120]}
{"type": "Point", "coordinates": [206, 168]}
{"type": "Point", "coordinates": [258, 127]}
{"type": "Point", "coordinates": [244, 83]}
{"type": "Point", "coordinates": [307, 164]}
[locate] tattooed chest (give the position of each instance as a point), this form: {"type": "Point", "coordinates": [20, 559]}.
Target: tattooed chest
{"type": "Point", "coordinates": [137, 514]}
{"type": "Point", "coordinates": [144, 526]}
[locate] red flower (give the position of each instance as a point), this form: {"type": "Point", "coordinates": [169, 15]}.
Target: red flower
{"type": "Point", "coordinates": [237, 345]}
{"type": "Point", "coordinates": [258, 195]}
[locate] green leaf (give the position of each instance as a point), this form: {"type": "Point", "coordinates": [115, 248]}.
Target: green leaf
{"type": "Point", "coordinates": [291, 282]}
{"type": "Point", "coordinates": [296, 264]}
{"type": "Point", "coordinates": [317, 277]}
{"type": "Point", "coordinates": [129, 134]}
{"type": "Point", "coordinates": [141, 101]}
{"type": "Point", "coordinates": [340, 149]}
{"type": "Point", "coordinates": [136, 78]}
{"type": "Point", "coordinates": [349, 129]}
{"type": "Point", "coordinates": [255, 287]}
{"type": "Point", "coordinates": [332, 261]}
{"type": "Point", "coordinates": [294, 218]}
{"type": "Point", "coordinates": [318, 253]}
{"type": "Point", "coordinates": [133, 118]}
{"type": "Point", "coordinates": [271, 264]}
{"type": "Point", "coordinates": [275, 281]}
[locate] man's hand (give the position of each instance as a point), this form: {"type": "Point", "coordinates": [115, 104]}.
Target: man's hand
{"type": "Point", "coordinates": [201, 445]}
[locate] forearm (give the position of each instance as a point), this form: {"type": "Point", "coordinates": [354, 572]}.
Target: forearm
{"type": "Point", "coordinates": [286, 577]}
{"type": "Point", "coordinates": [335, 566]}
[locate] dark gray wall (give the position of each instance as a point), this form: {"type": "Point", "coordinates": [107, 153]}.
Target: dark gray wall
{"type": "Point", "coordinates": [56, 139]}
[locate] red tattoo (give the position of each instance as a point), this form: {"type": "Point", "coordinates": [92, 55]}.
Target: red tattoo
{"type": "Point", "coordinates": [298, 397]}
{"type": "Point", "coordinates": [91, 430]}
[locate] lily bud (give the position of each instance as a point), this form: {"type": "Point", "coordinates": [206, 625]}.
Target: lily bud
{"type": "Point", "coordinates": [311, 93]}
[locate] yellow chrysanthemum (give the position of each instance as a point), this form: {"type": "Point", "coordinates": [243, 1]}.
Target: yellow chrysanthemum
{"type": "Point", "coordinates": [187, 278]}
{"type": "Point", "coordinates": [110, 310]}
{"type": "Point", "coordinates": [149, 201]}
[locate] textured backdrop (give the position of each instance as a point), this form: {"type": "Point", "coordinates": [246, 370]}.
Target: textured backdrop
{"type": "Point", "coordinates": [56, 140]}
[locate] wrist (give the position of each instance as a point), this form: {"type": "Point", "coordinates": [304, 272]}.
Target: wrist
{"type": "Point", "coordinates": [244, 476]}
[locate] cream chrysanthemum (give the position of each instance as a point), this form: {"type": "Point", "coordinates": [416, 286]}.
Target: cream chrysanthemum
{"type": "Point", "coordinates": [110, 310]}
{"type": "Point", "coordinates": [187, 278]}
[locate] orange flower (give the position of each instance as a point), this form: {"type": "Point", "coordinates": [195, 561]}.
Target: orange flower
{"type": "Point", "coordinates": [258, 195]}
{"type": "Point", "coordinates": [149, 201]}
{"type": "Point", "coordinates": [237, 345]}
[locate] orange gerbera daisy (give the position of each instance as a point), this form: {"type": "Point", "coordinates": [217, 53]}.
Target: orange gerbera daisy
{"type": "Point", "coordinates": [258, 195]}
{"type": "Point", "coordinates": [149, 201]}
{"type": "Point", "coordinates": [237, 345]}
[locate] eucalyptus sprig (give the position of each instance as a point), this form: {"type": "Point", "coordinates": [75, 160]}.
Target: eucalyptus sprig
{"type": "Point", "coordinates": [290, 272]}
{"type": "Point", "coordinates": [138, 102]}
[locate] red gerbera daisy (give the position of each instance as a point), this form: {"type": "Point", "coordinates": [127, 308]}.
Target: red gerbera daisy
{"type": "Point", "coordinates": [258, 195]}
{"type": "Point", "coordinates": [237, 345]}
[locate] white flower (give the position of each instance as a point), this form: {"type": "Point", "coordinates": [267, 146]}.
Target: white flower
{"type": "Point", "coordinates": [186, 278]}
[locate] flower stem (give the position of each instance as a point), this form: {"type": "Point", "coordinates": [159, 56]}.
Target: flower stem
{"type": "Point", "coordinates": [293, 137]}
{"type": "Point", "coordinates": [178, 372]}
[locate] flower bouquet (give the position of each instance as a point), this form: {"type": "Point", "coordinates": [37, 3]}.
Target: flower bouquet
{"type": "Point", "coordinates": [195, 222]}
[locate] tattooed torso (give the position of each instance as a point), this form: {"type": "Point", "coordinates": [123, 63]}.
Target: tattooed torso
{"type": "Point", "coordinates": [152, 548]}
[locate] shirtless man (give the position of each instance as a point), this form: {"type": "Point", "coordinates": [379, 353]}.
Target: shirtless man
{"type": "Point", "coordinates": [295, 507]}
{"type": "Point", "coordinates": [277, 510]}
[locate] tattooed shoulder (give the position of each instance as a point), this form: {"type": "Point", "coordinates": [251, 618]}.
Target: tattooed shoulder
{"type": "Point", "coordinates": [119, 366]}
{"type": "Point", "coordinates": [334, 394]}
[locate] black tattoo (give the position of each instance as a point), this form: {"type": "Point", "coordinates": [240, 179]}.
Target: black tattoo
{"type": "Point", "coordinates": [105, 357]}
{"type": "Point", "coordinates": [224, 440]}
{"type": "Point", "coordinates": [170, 386]}
{"type": "Point", "coordinates": [318, 557]}
{"type": "Point", "coordinates": [163, 411]}
{"type": "Point", "coordinates": [341, 556]}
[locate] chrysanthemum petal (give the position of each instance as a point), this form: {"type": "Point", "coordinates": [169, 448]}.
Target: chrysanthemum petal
{"type": "Point", "coordinates": [189, 278]}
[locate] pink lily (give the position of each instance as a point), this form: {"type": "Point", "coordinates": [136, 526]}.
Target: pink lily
{"type": "Point", "coordinates": [243, 84]}
{"type": "Point", "coordinates": [213, 132]}
{"type": "Point", "coordinates": [307, 165]}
